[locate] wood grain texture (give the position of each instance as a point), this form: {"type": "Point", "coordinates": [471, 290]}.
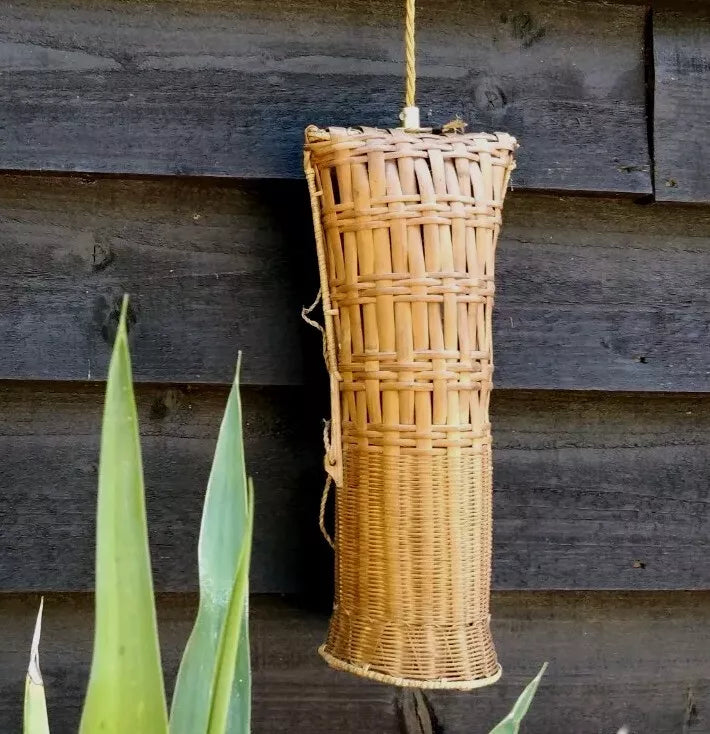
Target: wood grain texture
{"type": "Point", "coordinates": [601, 491]}
{"type": "Point", "coordinates": [210, 270]}
{"type": "Point", "coordinates": [592, 293]}
{"type": "Point", "coordinates": [602, 294]}
{"type": "Point", "coordinates": [681, 45]}
{"type": "Point", "coordinates": [633, 659]}
{"type": "Point", "coordinates": [50, 439]}
{"type": "Point", "coordinates": [226, 89]}
{"type": "Point", "coordinates": [592, 491]}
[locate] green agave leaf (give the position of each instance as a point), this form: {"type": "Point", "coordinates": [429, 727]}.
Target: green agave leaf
{"type": "Point", "coordinates": [125, 692]}
{"type": "Point", "coordinates": [35, 714]}
{"type": "Point", "coordinates": [215, 674]}
{"type": "Point", "coordinates": [511, 723]}
{"type": "Point", "coordinates": [228, 687]}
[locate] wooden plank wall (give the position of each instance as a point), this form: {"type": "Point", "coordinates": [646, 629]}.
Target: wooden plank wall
{"type": "Point", "coordinates": [154, 148]}
{"type": "Point", "coordinates": [681, 44]}
{"type": "Point", "coordinates": [209, 87]}
{"type": "Point", "coordinates": [593, 490]}
{"type": "Point", "coordinates": [603, 647]}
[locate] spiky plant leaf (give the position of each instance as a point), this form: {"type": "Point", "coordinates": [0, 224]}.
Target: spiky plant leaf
{"type": "Point", "coordinates": [125, 692]}
{"type": "Point", "coordinates": [511, 723]}
{"type": "Point", "coordinates": [231, 706]}
{"type": "Point", "coordinates": [214, 677]}
{"type": "Point", "coordinates": [35, 713]}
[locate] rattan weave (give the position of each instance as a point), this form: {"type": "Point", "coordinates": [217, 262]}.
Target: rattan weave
{"type": "Point", "coordinates": [406, 226]}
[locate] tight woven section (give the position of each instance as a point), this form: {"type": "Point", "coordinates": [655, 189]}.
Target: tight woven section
{"type": "Point", "coordinates": [406, 226]}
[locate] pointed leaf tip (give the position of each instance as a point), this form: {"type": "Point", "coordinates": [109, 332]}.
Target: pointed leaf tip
{"type": "Point", "coordinates": [35, 719]}
{"type": "Point", "coordinates": [33, 670]}
{"type": "Point", "coordinates": [238, 371]}
{"type": "Point", "coordinates": [122, 328]}
{"type": "Point", "coordinates": [511, 723]}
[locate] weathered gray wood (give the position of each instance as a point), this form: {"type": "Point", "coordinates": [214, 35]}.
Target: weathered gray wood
{"type": "Point", "coordinates": [681, 102]}
{"type": "Point", "coordinates": [211, 270]}
{"type": "Point", "coordinates": [615, 659]}
{"type": "Point", "coordinates": [592, 293]}
{"type": "Point", "coordinates": [602, 294]}
{"type": "Point", "coordinates": [225, 89]}
{"type": "Point", "coordinates": [601, 491]}
{"type": "Point", "coordinates": [592, 490]}
{"type": "Point", "coordinates": [49, 444]}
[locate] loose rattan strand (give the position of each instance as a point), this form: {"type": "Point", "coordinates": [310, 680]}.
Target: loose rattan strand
{"type": "Point", "coordinates": [406, 227]}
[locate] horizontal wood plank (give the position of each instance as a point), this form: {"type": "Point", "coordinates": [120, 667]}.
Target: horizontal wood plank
{"type": "Point", "coordinates": [602, 294]}
{"type": "Point", "coordinates": [593, 293]}
{"type": "Point", "coordinates": [592, 491]}
{"type": "Point", "coordinates": [681, 45]}
{"type": "Point", "coordinates": [210, 269]}
{"type": "Point", "coordinates": [601, 491]}
{"type": "Point", "coordinates": [50, 440]}
{"type": "Point", "coordinates": [226, 89]}
{"type": "Point", "coordinates": [615, 659]}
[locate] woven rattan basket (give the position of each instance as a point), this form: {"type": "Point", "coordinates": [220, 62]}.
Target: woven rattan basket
{"type": "Point", "coordinates": [406, 226]}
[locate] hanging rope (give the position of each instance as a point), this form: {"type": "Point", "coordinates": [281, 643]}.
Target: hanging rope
{"type": "Point", "coordinates": [410, 114]}
{"type": "Point", "coordinates": [410, 55]}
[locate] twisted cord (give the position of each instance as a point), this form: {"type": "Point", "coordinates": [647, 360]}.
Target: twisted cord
{"type": "Point", "coordinates": [321, 514]}
{"type": "Point", "coordinates": [410, 56]}
{"type": "Point", "coordinates": [326, 489]}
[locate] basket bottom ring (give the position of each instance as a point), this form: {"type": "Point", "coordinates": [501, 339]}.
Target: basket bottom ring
{"type": "Point", "coordinates": [363, 672]}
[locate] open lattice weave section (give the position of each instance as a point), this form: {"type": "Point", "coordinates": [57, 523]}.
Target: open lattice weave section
{"type": "Point", "coordinates": [406, 227]}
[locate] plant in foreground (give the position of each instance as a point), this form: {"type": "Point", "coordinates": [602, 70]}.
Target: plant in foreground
{"type": "Point", "coordinates": [511, 723]}
{"type": "Point", "coordinates": [125, 691]}
{"type": "Point", "coordinates": [35, 712]}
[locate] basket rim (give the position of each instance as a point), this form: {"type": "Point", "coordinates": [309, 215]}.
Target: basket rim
{"type": "Point", "coordinates": [438, 684]}
{"type": "Point", "coordinates": [317, 134]}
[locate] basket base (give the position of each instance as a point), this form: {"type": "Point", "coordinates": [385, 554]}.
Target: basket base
{"type": "Point", "coordinates": [364, 672]}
